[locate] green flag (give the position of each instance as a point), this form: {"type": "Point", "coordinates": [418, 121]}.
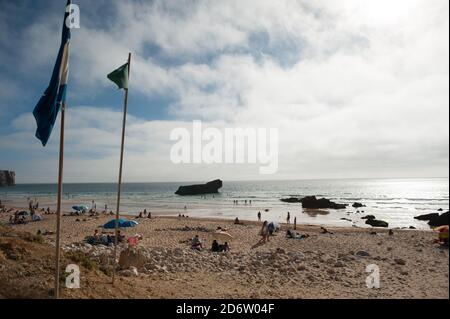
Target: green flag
{"type": "Point", "coordinates": [120, 77]}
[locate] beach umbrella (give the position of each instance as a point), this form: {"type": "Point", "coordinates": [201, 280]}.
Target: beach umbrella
{"type": "Point", "coordinates": [130, 223]}
{"type": "Point", "coordinates": [221, 235]}
{"type": "Point", "coordinates": [123, 223]}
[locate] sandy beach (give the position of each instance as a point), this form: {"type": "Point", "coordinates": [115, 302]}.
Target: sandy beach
{"type": "Point", "coordinates": [328, 265]}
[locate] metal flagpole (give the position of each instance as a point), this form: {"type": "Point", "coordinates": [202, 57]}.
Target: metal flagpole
{"type": "Point", "coordinates": [120, 173]}
{"type": "Point", "coordinates": [58, 209]}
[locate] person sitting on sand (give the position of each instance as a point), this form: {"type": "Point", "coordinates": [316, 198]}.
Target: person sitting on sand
{"type": "Point", "coordinates": [237, 222]}
{"type": "Point", "coordinates": [96, 235]}
{"type": "Point", "coordinates": [225, 247]}
{"type": "Point", "coordinates": [149, 216]}
{"type": "Point", "coordinates": [325, 231]}
{"type": "Point", "coordinates": [215, 246]}
{"type": "Point", "coordinates": [294, 235]}
{"type": "Point", "coordinates": [196, 243]}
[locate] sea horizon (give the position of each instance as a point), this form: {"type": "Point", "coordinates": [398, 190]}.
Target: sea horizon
{"type": "Point", "coordinates": [236, 180]}
{"type": "Point", "coordinates": [395, 200]}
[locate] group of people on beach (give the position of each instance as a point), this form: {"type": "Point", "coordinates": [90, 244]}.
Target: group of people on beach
{"type": "Point", "coordinates": [144, 214]}
{"type": "Point", "coordinates": [104, 239]}
{"type": "Point", "coordinates": [246, 202]}
{"type": "Point", "coordinates": [196, 244]}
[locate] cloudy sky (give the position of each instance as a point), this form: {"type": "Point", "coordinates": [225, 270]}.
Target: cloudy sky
{"type": "Point", "coordinates": [357, 88]}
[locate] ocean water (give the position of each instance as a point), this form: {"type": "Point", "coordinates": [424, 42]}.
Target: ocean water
{"type": "Point", "coordinates": [396, 201]}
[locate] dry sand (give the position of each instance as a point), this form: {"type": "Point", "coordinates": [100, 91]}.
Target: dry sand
{"type": "Point", "coordinates": [320, 266]}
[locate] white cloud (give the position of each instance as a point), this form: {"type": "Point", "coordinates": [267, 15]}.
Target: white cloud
{"type": "Point", "coordinates": [365, 92]}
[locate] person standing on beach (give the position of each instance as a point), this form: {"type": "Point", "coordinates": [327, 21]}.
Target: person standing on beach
{"type": "Point", "coordinates": [295, 223]}
{"type": "Point", "coordinates": [259, 216]}
{"type": "Point", "coordinates": [288, 218]}
{"type": "Point", "coordinates": [264, 233]}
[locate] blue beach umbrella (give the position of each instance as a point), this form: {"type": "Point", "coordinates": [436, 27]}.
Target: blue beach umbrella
{"type": "Point", "coordinates": [130, 223]}
{"type": "Point", "coordinates": [123, 223]}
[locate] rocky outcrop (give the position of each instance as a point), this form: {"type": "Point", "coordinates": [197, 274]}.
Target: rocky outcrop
{"type": "Point", "coordinates": [377, 223]}
{"type": "Point", "coordinates": [427, 216]}
{"type": "Point", "coordinates": [291, 200]}
{"type": "Point", "coordinates": [313, 202]}
{"type": "Point", "coordinates": [357, 205]}
{"type": "Point", "coordinates": [372, 221]}
{"type": "Point", "coordinates": [434, 219]}
{"type": "Point", "coordinates": [208, 188]}
{"type": "Point", "coordinates": [439, 221]}
{"type": "Point", "coordinates": [7, 178]}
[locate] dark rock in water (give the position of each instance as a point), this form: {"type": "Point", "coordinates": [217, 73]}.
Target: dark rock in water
{"type": "Point", "coordinates": [439, 220]}
{"type": "Point", "coordinates": [427, 216]}
{"type": "Point", "coordinates": [412, 227]}
{"type": "Point", "coordinates": [377, 223]}
{"type": "Point", "coordinates": [357, 205]}
{"type": "Point", "coordinates": [291, 200]}
{"type": "Point", "coordinates": [434, 219]}
{"type": "Point", "coordinates": [313, 202]}
{"type": "Point", "coordinates": [440, 210]}
{"type": "Point", "coordinates": [208, 188]}
{"type": "Point", "coordinates": [369, 217]}
{"type": "Point", "coordinates": [349, 220]}
{"type": "Point", "coordinates": [7, 178]}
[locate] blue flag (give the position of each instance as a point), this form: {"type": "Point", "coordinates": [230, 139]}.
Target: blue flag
{"type": "Point", "coordinates": [46, 111]}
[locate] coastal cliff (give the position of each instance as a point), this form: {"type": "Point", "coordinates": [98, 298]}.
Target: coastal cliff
{"type": "Point", "coordinates": [7, 178]}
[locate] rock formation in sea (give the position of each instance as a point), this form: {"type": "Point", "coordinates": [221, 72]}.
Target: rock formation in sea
{"type": "Point", "coordinates": [357, 205]}
{"type": "Point", "coordinates": [434, 219]}
{"type": "Point", "coordinates": [372, 221]}
{"type": "Point", "coordinates": [7, 178]}
{"type": "Point", "coordinates": [208, 188]}
{"type": "Point", "coordinates": [291, 200]}
{"type": "Point", "coordinates": [313, 202]}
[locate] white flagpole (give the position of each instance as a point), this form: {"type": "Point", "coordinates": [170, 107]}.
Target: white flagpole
{"type": "Point", "coordinates": [125, 108]}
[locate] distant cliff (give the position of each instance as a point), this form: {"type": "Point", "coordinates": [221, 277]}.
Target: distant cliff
{"type": "Point", "coordinates": [7, 178]}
